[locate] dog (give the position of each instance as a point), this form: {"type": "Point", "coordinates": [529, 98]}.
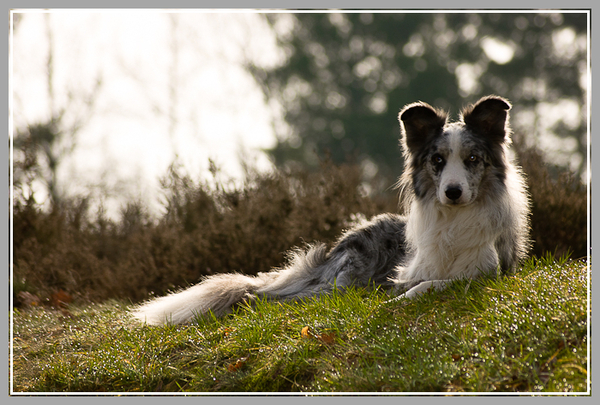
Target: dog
{"type": "Point", "coordinates": [467, 213]}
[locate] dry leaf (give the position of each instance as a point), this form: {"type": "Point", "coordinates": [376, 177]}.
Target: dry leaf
{"type": "Point", "coordinates": [232, 367]}
{"type": "Point", "coordinates": [60, 299]}
{"type": "Point", "coordinates": [227, 331]}
{"type": "Point", "coordinates": [327, 338]}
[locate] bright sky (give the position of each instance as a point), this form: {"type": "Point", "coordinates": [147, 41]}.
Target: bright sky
{"type": "Point", "coordinates": [171, 84]}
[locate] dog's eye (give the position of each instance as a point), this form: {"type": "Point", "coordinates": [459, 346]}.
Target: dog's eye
{"type": "Point", "coordinates": [437, 159]}
{"type": "Point", "coordinates": [473, 158]}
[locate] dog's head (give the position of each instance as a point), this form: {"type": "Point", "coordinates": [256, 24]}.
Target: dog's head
{"type": "Point", "coordinates": [455, 161]}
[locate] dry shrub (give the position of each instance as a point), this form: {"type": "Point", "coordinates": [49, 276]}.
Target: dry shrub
{"type": "Point", "coordinates": [559, 207]}
{"type": "Point", "coordinates": [205, 229]}
{"type": "Point", "coordinates": [217, 227]}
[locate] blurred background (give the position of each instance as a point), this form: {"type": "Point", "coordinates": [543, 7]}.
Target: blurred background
{"type": "Point", "coordinates": [113, 98]}
{"type": "Point", "coordinates": [150, 118]}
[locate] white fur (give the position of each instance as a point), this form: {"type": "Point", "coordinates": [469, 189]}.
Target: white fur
{"type": "Point", "coordinates": [455, 174]}
{"type": "Point", "coordinates": [453, 241]}
{"type": "Point", "coordinates": [425, 287]}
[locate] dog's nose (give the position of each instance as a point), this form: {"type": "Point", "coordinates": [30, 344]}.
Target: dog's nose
{"type": "Point", "coordinates": [453, 193]}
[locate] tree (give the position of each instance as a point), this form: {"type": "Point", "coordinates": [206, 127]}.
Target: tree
{"type": "Point", "coordinates": [347, 75]}
{"type": "Point", "coordinates": [42, 146]}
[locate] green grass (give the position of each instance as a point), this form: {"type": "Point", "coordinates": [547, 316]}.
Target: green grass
{"type": "Point", "coordinates": [522, 333]}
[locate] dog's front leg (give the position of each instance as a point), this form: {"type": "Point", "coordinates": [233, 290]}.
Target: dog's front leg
{"type": "Point", "coordinates": [424, 287]}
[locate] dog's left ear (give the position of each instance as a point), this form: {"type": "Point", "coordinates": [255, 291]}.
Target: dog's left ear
{"type": "Point", "coordinates": [489, 117]}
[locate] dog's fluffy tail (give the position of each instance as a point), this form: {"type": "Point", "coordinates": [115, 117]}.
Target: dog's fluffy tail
{"type": "Point", "coordinates": [309, 273]}
{"type": "Point", "coordinates": [368, 254]}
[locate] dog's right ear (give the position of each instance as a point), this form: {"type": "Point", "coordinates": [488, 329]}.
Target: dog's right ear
{"type": "Point", "coordinates": [420, 122]}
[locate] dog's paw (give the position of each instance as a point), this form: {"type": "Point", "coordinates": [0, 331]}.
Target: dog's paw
{"type": "Point", "coordinates": [424, 287]}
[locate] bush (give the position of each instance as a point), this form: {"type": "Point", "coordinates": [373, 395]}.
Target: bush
{"type": "Point", "coordinates": [205, 230]}
{"type": "Point", "coordinates": [559, 207]}
{"type": "Point", "coordinates": [215, 227]}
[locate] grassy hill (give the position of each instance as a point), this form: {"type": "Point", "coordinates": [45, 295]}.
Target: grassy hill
{"type": "Point", "coordinates": [526, 332]}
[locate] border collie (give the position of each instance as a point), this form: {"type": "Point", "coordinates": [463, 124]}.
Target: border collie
{"type": "Point", "coordinates": [466, 210]}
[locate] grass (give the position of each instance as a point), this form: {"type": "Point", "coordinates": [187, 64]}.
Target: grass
{"type": "Point", "coordinates": [521, 333]}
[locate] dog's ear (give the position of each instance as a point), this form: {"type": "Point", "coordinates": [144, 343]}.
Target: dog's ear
{"type": "Point", "coordinates": [488, 117]}
{"type": "Point", "coordinates": [420, 122]}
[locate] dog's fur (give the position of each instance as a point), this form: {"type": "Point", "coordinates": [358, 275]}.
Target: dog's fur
{"type": "Point", "coordinates": [467, 214]}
